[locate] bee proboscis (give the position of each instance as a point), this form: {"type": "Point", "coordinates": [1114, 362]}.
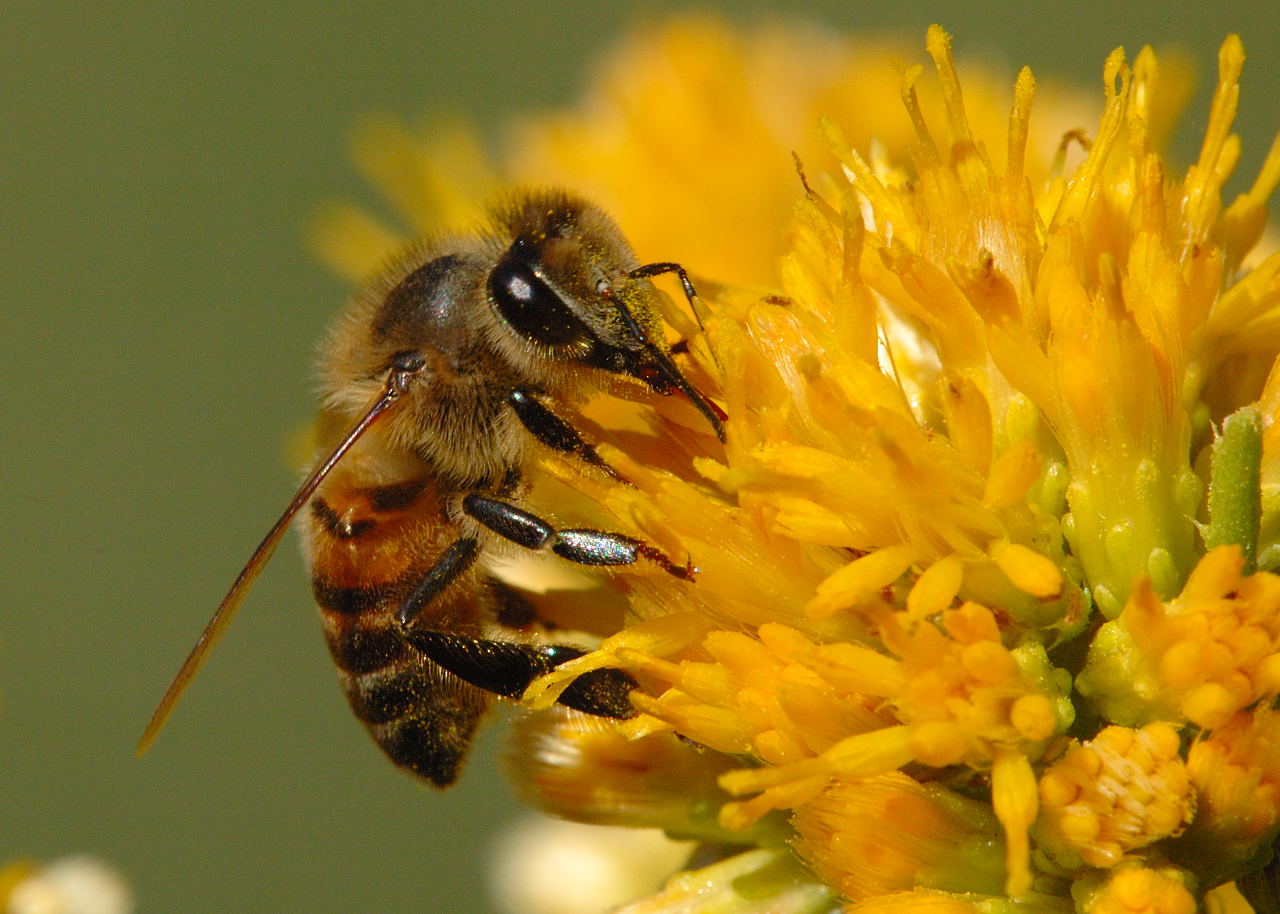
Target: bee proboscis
{"type": "Point", "coordinates": [439, 379]}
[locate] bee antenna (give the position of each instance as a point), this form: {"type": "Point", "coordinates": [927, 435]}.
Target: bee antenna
{"type": "Point", "coordinates": [397, 383]}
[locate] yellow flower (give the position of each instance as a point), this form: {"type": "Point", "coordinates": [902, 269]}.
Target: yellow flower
{"type": "Point", "coordinates": [890, 833]}
{"type": "Point", "coordinates": [1207, 655]}
{"type": "Point", "coordinates": [577, 768]}
{"type": "Point", "coordinates": [1136, 890]}
{"type": "Point", "coordinates": [1120, 791]}
{"type": "Point", "coordinates": [977, 614]}
{"type": "Point", "coordinates": [1236, 773]}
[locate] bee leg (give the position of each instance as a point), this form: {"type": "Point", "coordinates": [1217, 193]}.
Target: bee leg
{"type": "Point", "coordinates": [553, 431]}
{"type": "Point", "coordinates": [581, 545]}
{"type": "Point", "coordinates": [506, 668]}
{"type": "Point", "coordinates": [456, 559]}
{"type": "Point", "coordinates": [657, 269]}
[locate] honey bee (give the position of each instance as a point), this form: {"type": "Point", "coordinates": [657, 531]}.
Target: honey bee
{"type": "Point", "coordinates": [439, 380]}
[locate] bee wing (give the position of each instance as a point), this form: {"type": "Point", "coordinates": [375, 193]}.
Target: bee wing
{"type": "Point", "coordinates": [396, 384]}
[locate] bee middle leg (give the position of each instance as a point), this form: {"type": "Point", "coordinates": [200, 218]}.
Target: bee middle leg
{"type": "Point", "coordinates": [582, 545]}
{"type": "Point", "coordinates": [453, 562]}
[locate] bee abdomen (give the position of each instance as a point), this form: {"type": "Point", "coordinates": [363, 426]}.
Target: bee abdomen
{"type": "Point", "coordinates": [386, 695]}
{"type": "Point", "coordinates": [347, 601]}
{"type": "Point", "coordinates": [434, 745]}
{"type": "Point", "coordinates": [359, 649]}
{"type": "Point", "coordinates": [421, 721]}
{"type": "Point", "coordinates": [420, 716]}
{"type": "Point", "coordinates": [370, 547]}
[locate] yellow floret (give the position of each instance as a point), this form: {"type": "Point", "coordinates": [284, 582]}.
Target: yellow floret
{"type": "Point", "coordinates": [1122, 790]}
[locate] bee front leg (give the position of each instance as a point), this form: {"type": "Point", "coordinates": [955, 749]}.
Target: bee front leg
{"type": "Point", "coordinates": [552, 430]}
{"type": "Point", "coordinates": [507, 667]}
{"type": "Point", "coordinates": [581, 545]}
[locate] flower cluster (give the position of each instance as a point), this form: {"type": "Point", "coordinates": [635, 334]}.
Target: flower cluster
{"type": "Point", "coordinates": [984, 606]}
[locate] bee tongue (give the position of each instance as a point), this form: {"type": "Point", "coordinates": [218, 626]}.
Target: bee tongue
{"type": "Point", "coordinates": [662, 375]}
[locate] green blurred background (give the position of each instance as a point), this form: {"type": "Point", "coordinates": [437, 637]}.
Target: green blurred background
{"type": "Point", "coordinates": [159, 165]}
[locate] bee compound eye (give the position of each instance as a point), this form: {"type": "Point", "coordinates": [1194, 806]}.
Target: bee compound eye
{"type": "Point", "coordinates": [531, 307]}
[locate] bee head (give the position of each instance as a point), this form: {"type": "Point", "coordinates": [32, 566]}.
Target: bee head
{"type": "Point", "coordinates": [568, 288]}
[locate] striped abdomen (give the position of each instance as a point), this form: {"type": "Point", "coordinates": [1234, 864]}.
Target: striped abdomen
{"type": "Point", "coordinates": [370, 544]}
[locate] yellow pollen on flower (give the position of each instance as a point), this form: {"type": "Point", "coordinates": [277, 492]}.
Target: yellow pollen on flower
{"type": "Point", "coordinates": [852, 668]}
{"type": "Point", "coordinates": [972, 624]}
{"type": "Point", "coordinates": [965, 705]}
{"type": "Point", "coordinates": [1028, 571]}
{"type": "Point", "coordinates": [1210, 705]}
{"type": "Point", "coordinates": [858, 756]}
{"type": "Point", "coordinates": [1012, 474]}
{"type": "Point", "coordinates": [860, 578]}
{"type": "Point", "coordinates": [987, 662]}
{"type": "Point", "coordinates": [783, 691]}
{"type": "Point", "coordinates": [939, 743]}
{"type": "Point", "coordinates": [573, 767]}
{"type": "Point", "coordinates": [741, 815]}
{"type": "Point", "coordinates": [966, 696]}
{"type": "Point", "coordinates": [659, 637]}
{"type": "Point", "coordinates": [1120, 791]}
{"type": "Point", "coordinates": [1033, 717]}
{"type": "Point", "coordinates": [718, 728]}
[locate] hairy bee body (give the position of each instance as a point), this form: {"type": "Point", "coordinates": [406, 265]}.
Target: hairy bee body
{"type": "Point", "coordinates": [439, 380]}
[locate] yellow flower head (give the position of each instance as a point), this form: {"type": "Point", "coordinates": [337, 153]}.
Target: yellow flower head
{"type": "Point", "coordinates": [1206, 655]}
{"type": "Point", "coordinates": [1120, 791]}
{"type": "Point", "coordinates": [890, 833]}
{"type": "Point", "coordinates": [1236, 775]}
{"type": "Point", "coordinates": [973, 505]}
{"type": "Point", "coordinates": [1137, 890]}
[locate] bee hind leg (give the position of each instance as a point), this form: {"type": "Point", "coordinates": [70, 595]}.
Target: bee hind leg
{"type": "Point", "coordinates": [581, 545]}
{"type": "Point", "coordinates": [506, 668]}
